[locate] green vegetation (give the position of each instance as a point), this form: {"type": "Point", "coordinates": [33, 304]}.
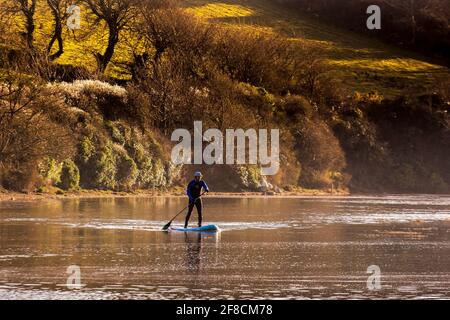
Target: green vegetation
{"type": "Point", "coordinates": [70, 176]}
{"type": "Point", "coordinates": [359, 63]}
{"type": "Point", "coordinates": [353, 112]}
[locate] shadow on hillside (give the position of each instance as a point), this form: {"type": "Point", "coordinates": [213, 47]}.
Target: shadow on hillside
{"type": "Point", "coordinates": [337, 42]}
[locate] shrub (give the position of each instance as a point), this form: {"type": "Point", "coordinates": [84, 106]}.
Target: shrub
{"type": "Point", "coordinates": [93, 88]}
{"type": "Point", "coordinates": [70, 176]}
{"type": "Point", "coordinates": [405, 177]}
{"type": "Point", "coordinates": [86, 149]}
{"type": "Point", "coordinates": [115, 132]}
{"type": "Point", "coordinates": [97, 164]}
{"type": "Point", "coordinates": [127, 171]}
{"type": "Point", "coordinates": [250, 176]}
{"type": "Point", "coordinates": [259, 59]}
{"type": "Point", "coordinates": [159, 178]}
{"type": "Point", "coordinates": [50, 170]}
{"type": "Point", "coordinates": [66, 72]}
{"type": "Point", "coordinates": [319, 152]}
{"type": "Point", "coordinates": [438, 184]}
{"type": "Point", "coordinates": [107, 99]}
{"type": "Point", "coordinates": [145, 176]}
{"type": "Point", "coordinates": [296, 107]}
{"type": "Point", "coordinates": [372, 97]}
{"type": "Point", "coordinates": [143, 162]}
{"type": "Point", "coordinates": [105, 168]}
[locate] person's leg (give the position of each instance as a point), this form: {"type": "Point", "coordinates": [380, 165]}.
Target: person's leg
{"type": "Point", "coordinates": [199, 206]}
{"type": "Point", "coordinates": [188, 216]}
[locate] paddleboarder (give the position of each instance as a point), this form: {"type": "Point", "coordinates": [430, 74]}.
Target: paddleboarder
{"type": "Point", "coordinates": [194, 191]}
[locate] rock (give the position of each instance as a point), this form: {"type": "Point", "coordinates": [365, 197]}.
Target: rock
{"type": "Point", "coordinates": [277, 189]}
{"type": "Point", "coordinates": [265, 186]}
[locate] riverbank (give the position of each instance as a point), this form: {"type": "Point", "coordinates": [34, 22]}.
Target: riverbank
{"type": "Point", "coordinates": [17, 196]}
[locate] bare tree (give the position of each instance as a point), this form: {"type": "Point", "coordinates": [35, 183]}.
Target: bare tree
{"type": "Point", "coordinates": [27, 130]}
{"type": "Point", "coordinates": [117, 14]}
{"type": "Point", "coordinates": [5, 20]}
{"type": "Point", "coordinates": [161, 23]}
{"type": "Point", "coordinates": [59, 13]}
{"type": "Point", "coordinates": [28, 9]}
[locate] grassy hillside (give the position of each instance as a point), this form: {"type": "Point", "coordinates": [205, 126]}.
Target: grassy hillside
{"type": "Point", "coordinates": [361, 63]}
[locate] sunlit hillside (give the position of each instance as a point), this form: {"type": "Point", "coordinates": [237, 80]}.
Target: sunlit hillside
{"type": "Point", "coordinates": [360, 62]}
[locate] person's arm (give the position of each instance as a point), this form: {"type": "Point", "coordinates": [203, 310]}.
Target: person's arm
{"type": "Point", "coordinates": [205, 186]}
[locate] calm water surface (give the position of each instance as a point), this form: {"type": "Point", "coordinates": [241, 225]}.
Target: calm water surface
{"type": "Point", "coordinates": [289, 248]}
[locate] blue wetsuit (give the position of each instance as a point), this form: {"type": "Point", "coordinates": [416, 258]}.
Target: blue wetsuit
{"type": "Point", "coordinates": [194, 190]}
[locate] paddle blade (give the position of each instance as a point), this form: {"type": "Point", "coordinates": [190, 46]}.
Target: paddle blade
{"type": "Point", "coordinates": [167, 226]}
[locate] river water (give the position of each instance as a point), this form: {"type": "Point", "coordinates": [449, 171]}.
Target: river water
{"type": "Point", "coordinates": [288, 248]}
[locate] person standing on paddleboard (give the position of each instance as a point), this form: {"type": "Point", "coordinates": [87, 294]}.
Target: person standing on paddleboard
{"type": "Point", "coordinates": [194, 191]}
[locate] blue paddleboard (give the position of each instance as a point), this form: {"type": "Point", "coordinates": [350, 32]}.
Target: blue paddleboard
{"type": "Point", "coordinates": [209, 228]}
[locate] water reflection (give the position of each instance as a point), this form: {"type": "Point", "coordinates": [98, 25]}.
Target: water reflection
{"type": "Point", "coordinates": [269, 248]}
{"type": "Point", "coordinates": [193, 251]}
{"type": "Point", "coordinates": [198, 246]}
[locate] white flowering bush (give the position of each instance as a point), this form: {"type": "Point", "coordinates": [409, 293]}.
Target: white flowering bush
{"type": "Point", "coordinates": [94, 96]}
{"type": "Point", "coordinates": [91, 88]}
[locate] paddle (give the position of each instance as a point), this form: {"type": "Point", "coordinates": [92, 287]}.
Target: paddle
{"type": "Point", "coordinates": [170, 222]}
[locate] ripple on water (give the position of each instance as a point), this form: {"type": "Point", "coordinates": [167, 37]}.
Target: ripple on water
{"type": "Point", "coordinates": [291, 264]}
{"type": "Point", "coordinates": [146, 225]}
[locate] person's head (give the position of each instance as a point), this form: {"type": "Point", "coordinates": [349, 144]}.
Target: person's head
{"type": "Point", "coordinates": [198, 176]}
